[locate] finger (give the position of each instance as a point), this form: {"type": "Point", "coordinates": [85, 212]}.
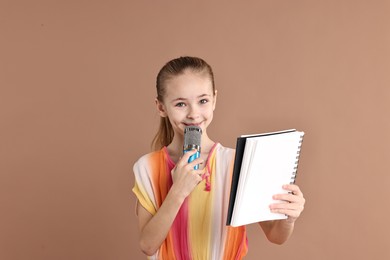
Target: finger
{"type": "Point", "coordinates": [201, 173]}
{"type": "Point", "coordinates": [286, 205]}
{"type": "Point", "coordinates": [184, 159]}
{"type": "Point", "coordinates": [288, 212]}
{"type": "Point", "coordinates": [287, 208]}
{"type": "Point", "coordinates": [195, 162]}
{"type": "Point", "coordinates": [293, 189]}
{"type": "Point", "coordinates": [198, 174]}
{"type": "Point", "coordinates": [289, 197]}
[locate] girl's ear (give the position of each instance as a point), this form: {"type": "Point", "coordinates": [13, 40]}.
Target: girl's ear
{"type": "Point", "coordinates": [215, 100]}
{"type": "Point", "coordinates": [160, 108]}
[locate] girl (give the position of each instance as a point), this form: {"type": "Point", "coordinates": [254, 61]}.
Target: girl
{"type": "Point", "coordinates": [181, 211]}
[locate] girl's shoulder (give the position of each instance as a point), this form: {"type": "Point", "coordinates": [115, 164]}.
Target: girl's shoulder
{"type": "Point", "coordinates": [149, 157]}
{"type": "Point", "coordinates": [222, 151]}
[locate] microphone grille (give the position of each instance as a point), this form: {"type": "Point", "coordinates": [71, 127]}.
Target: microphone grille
{"type": "Point", "coordinates": [192, 136]}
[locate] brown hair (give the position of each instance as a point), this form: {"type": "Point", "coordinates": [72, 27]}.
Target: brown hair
{"type": "Point", "coordinates": [171, 69]}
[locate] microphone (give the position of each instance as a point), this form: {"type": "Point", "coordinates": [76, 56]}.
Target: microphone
{"type": "Point", "coordinates": [192, 138]}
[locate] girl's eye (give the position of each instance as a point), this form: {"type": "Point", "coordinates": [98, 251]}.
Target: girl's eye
{"type": "Point", "coordinates": [203, 101]}
{"type": "Point", "coordinates": [180, 104]}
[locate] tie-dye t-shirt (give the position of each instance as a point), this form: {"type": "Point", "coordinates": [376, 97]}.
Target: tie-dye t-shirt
{"type": "Point", "coordinates": [199, 231]}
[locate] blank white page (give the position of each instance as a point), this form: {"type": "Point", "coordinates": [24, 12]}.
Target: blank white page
{"type": "Point", "coordinates": [268, 163]}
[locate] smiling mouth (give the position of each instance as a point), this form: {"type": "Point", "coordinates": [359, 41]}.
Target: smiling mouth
{"type": "Point", "coordinates": [192, 124]}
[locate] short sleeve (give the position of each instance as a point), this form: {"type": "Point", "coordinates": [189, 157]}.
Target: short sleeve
{"type": "Point", "coordinates": [143, 188]}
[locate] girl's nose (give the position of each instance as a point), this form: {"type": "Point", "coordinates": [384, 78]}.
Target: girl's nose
{"type": "Point", "coordinates": [193, 112]}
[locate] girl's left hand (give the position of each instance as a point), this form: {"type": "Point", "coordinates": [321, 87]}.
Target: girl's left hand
{"type": "Point", "coordinates": [291, 204]}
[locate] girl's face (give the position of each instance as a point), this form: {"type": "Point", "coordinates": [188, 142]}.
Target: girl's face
{"type": "Point", "coordinates": [188, 100]}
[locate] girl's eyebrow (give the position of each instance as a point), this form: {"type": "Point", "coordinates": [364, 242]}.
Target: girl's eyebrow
{"type": "Point", "coordinates": [181, 99]}
{"type": "Point", "coordinates": [177, 100]}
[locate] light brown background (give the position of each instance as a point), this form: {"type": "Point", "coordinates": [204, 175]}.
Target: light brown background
{"type": "Point", "coordinates": [77, 109]}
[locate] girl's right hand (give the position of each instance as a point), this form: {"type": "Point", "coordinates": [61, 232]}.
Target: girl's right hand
{"type": "Point", "coordinates": [184, 177]}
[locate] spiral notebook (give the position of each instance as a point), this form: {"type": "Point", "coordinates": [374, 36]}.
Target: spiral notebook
{"type": "Point", "coordinates": [262, 164]}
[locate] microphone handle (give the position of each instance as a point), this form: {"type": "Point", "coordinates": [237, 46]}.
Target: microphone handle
{"type": "Point", "coordinates": [193, 157]}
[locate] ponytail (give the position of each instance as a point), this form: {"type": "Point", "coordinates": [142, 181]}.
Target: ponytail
{"type": "Point", "coordinates": [164, 136]}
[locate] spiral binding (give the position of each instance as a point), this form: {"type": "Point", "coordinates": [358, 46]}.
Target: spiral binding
{"type": "Point", "coordinates": [294, 174]}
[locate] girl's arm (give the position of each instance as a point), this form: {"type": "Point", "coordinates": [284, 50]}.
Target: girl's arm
{"type": "Point", "coordinates": [154, 229]}
{"type": "Point", "coordinates": [278, 231]}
